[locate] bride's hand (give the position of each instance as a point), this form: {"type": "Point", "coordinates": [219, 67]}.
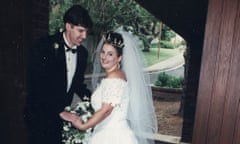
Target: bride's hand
{"type": "Point", "coordinates": [73, 118]}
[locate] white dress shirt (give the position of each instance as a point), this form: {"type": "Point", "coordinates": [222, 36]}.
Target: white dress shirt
{"type": "Point", "coordinates": [71, 61]}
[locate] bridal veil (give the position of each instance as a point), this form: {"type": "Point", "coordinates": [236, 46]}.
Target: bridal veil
{"type": "Point", "coordinates": [141, 113]}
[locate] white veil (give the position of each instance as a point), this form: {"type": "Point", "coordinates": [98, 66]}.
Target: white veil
{"type": "Point", "coordinates": [141, 115]}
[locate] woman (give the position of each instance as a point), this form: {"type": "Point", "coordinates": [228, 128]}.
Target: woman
{"type": "Point", "coordinates": [124, 112]}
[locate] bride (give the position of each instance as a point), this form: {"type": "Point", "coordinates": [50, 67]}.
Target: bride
{"type": "Point", "coordinates": [124, 111]}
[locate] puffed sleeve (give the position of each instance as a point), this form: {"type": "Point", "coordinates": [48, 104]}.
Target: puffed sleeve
{"type": "Point", "coordinates": [113, 90]}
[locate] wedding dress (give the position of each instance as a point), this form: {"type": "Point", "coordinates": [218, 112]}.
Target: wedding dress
{"type": "Point", "coordinates": [133, 119]}
{"type": "Point", "coordinates": [114, 129]}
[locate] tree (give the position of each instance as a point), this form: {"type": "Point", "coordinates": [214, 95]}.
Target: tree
{"type": "Point", "coordinates": [108, 15]}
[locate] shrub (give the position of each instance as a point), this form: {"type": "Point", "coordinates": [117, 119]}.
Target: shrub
{"type": "Point", "coordinates": [154, 45]}
{"type": "Point", "coordinates": [167, 44]}
{"type": "Point", "coordinates": [164, 44]}
{"type": "Point", "coordinates": [165, 80]}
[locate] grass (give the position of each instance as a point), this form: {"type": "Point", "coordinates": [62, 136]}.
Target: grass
{"type": "Point", "coordinates": [152, 56]}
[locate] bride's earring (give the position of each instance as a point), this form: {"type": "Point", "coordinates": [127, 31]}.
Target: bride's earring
{"type": "Point", "coordinates": [119, 66]}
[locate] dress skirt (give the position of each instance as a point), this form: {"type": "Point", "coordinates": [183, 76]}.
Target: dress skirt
{"type": "Point", "coordinates": [119, 133]}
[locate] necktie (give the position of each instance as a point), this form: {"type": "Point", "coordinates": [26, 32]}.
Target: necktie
{"type": "Point", "coordinates": [70, 49]}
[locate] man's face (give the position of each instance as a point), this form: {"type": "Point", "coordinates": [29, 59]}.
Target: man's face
{"type": "Point", "coordinates": [75, 34]}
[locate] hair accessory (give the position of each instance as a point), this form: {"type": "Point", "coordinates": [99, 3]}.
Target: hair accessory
{"type": "Point", "coordinates": [113, 39]}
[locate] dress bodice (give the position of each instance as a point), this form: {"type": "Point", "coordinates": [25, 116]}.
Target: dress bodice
{"type": "Point", "coordinates": [114, 91]}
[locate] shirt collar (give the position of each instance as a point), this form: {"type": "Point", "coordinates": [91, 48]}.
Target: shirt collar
{"type": "Point", "coordinates": [65, 39]}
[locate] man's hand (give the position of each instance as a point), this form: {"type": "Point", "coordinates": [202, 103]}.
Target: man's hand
{"type": "Point", "coordinates": [73, 118]}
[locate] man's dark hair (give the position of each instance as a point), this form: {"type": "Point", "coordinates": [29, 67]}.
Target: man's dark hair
{"type": "Point", "coordinates": [77, 15]}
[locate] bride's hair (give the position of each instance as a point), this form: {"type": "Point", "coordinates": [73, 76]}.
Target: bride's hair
{"type": "Point", "coordinates": [116, 40]}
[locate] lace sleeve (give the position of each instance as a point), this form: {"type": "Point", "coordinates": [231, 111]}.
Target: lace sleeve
{"type": "Point", "coordinates": [112, 91]}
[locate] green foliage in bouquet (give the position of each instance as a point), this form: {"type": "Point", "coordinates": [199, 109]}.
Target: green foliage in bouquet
{"type": "Point", "coordinates": [72, 135]}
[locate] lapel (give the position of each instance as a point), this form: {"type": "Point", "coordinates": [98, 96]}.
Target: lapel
{"type": "Point", "coordinates": [61, 58]}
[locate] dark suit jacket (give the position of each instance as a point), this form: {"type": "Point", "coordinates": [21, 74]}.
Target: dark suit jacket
{"type": "Point", "coordinates": [48, 79]}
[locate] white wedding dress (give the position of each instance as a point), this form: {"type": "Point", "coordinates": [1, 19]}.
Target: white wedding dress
{"type": "Point", "coordinates": [114, 129]}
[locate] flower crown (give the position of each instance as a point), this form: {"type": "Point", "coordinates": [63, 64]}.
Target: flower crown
{"type": "Point", "coordinates": [114, 39]}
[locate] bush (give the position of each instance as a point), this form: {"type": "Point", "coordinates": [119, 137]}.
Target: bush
{"type": "Point", "coordinates": [164, 44]}
{"type": "Point", "coordinates": [167, 44]}
{"type": "Point", "coordinates": [165, 80]}
{"type": "Point", "coordinates": [154, 45]}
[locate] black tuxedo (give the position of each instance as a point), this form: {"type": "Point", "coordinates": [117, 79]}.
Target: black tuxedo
{"type": "Point", "coordinates": [48, 88]}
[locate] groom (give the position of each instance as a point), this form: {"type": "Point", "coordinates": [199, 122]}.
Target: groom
{"type": "Point", "coordinates": [56, 72]}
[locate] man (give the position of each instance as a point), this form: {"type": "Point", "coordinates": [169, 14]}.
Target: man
{"type": "Point", "coordinates": [57, 67]}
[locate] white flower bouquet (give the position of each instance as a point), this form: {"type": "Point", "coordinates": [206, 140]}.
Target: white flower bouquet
{"type": "Point", "coordinates": [72, 135]}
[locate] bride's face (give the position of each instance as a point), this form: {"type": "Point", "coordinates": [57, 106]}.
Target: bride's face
{"type": "Point", "coordinates": [109, 57]}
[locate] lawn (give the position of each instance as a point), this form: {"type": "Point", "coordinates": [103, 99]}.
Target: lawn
{"type": "Point", "coordinates": [152, 56]}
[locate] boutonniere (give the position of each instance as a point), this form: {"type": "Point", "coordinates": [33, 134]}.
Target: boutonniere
{"type": "Point", "coordinates": [56, 45]}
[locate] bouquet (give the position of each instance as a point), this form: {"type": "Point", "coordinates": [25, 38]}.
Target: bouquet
{"type": "Point", "coordinates": [72, 135]}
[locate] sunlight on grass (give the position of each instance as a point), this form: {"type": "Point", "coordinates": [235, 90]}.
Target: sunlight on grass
{"type": "Point", "coordinates": [153, 58]}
